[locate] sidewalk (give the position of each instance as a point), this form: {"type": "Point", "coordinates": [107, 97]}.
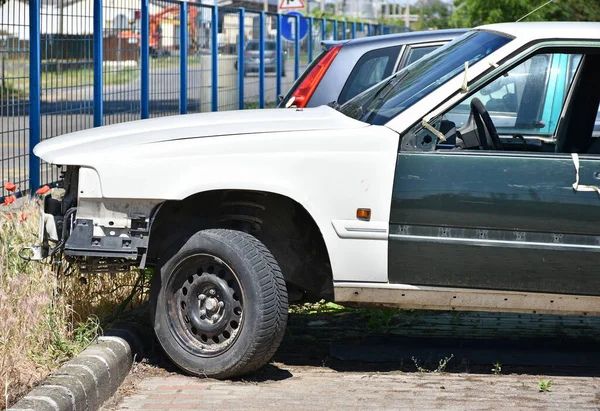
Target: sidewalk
{"type": "Point", "coordinates": [321, 388]}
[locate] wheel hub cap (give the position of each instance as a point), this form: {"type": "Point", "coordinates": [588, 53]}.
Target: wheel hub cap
{"type": "Point", "coordinates": [212, 304]}
{"type": "Point", "coordinates": [209, 305]}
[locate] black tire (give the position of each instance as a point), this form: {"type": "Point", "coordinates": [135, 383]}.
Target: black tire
{"type": "Point", "coordinates": [248, 293]}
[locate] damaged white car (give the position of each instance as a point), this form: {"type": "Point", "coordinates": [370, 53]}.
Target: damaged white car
{"type": "Point", "coordinates": [390, 199]}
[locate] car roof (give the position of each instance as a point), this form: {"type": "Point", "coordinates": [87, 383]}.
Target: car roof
{"type": "Point", "coordinates": [547, 30]}
{"type": "Point", "coordinates": [399, 38]}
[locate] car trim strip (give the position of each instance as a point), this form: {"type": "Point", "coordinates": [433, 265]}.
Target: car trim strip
{"type": "Point", "coordinates": [408, 296]}
{"type": "Point", "coordinates": [486, 237]}
{"type": "Point", "coordinates": [356, 229]}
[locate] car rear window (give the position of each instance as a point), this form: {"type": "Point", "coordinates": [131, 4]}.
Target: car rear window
{"type": "Point", "coordinates": [370, 69]}
{"type": "Point", "coordinates": [415, 53]}
{"type": "Point", "coordinates": [269, 46]}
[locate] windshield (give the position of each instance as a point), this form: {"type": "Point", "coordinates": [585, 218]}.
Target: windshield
{"type": "Point", "coordinates": [254, 46]}
{"type": "Point", "coordinates": [389, 98]}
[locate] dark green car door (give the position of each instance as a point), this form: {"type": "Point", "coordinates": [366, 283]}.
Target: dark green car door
{"type": "Point", "coordinates": [501, 219]}
{"type": "Point", "coordinates": [495, 220]}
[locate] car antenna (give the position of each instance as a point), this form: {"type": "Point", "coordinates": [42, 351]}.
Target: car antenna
{"type": "Point", "coordinates": [533, 11]}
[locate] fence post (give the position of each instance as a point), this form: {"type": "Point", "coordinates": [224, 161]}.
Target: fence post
{"type": "Point", "coordinates": [297, 48]}
{"type": "Point", "coordinates": [353, 29]}
{"type": "Point", "coordinates": [280, 63]}
{"type": "Point", "coordinates": [369, 29]}
{"type": "Point", "coordinates": [261, 63]}
{"type": "Point", "coordinates": [183, 56]}
{"type": "Point", "coordinates": [335, 30]}
{"type": "Point", "coordinates": [344, 28]}
{"type": "Point", "coordinates": [34, 93]}
{"type": "Point", "coordinates": [98, 59]}
{"type": "Point", "coordinates": [323, 29]}
{"type": "Point", "coordinates": [381, 28]}
{"type": "Point", "coordinates": [145, 51]}
{"type": "Point", "coordinates": [311, 21]}
{"type": "Point", "coordinates": [215, 57]}
{"type": "Point", "coordinates": [241, 43]}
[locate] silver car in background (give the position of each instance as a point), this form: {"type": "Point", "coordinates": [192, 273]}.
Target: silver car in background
{"type": "Point", "coordinates": [346, 68]}
{"type": "Point", "coordinates": [252, 57]}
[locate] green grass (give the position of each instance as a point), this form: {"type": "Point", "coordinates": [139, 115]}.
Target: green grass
{"type": "Point", "coordinates": [8, 92]}
{"type": "Point", "coordinates": [253, 105]}
{"type": "Point", "coordinates": [69, 78]}
{"type": "Point", "coordinates": [49, 314]}
{"type": "Point", "coordinates": [544, 386]}
{"type": "Point", "coordinates": [120, 76]}
{"type": "Point", "coordinates": [173, 62]}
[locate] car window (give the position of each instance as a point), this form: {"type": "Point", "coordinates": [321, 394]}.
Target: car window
{"type": "Point", "coordinates": [370, 69]}
{"type": "Point", "coordinates": [269, 46]}
{"type": "Point", "coordinates": [415, 53]}
{"type": "Point", "coordinates": [527, 99]}
{"type": "Point", "coordinates": [573, 64]}
{"type": "Point", "coordinates": [386, 100]}
{"type": "Point", "coordinates": [546, 103]}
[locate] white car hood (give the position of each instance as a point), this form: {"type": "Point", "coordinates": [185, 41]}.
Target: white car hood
{"type": "Point", "coordinates": [66, 149]}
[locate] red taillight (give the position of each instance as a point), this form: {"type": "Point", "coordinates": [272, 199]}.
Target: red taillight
{"type": "Point", "coordinates": [308, 86]}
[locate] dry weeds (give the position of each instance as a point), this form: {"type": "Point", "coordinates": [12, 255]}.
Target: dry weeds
{"type": "Point", "coordinates": [46, 318]}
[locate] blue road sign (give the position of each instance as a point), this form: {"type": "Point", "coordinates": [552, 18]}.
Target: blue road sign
{"type": "Point", "coordinates": [288, 26]}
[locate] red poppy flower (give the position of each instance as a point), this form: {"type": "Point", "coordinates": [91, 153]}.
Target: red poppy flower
{"type": "Point", "coordinates": [23, 218]}
{"type": "Point", "coordinates": [9, 216]}
{"type": "Point", "coordinates": [9, 200]}
{"type": "Point", "coordinates": [43, 190]}
{"type": "Point", "coordinates": [10, 186]}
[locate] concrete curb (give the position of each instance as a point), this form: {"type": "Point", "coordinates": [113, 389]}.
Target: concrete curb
{"type": "Point", "coordinates": [90, 379]}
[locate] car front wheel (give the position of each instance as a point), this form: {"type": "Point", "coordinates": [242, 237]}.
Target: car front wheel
{"type": "Point", "coordinates": [219, 304]}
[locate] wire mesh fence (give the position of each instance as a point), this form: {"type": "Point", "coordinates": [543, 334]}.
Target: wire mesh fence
{"type": "Point", "coordinates": [14, 94]}
{"type": "Point", "coordinates": [121, 62]}
{"type": "Point", "coordinates": [69, 65]}
{"type": "Point", "coordinates": [67, 76]}
{"type": "Point", "coordinates": [199, 66]}
{"type": "Point", "coordinates": [229, 27]}
{"type": "Point", "coordinates": [165, 51]}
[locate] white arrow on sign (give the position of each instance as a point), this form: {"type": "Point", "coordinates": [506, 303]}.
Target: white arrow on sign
{"type": "Point", "coordinates": [291, 4]}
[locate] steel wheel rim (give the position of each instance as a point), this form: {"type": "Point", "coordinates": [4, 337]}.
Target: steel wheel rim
{"type": "Point", "coordinates": [204, 302]}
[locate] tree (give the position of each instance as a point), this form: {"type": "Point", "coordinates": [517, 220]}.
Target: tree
{"type": "Point", "coordinates": [470, 13]}
{"type": "Point", "coordinates": [433, 14]}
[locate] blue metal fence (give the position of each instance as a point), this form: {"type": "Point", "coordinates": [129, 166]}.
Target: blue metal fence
{"type": "Point", "coordinates": [65, 67]}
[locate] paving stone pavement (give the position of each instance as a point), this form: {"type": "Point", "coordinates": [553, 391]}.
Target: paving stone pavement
{"type": "Point", "coordinates": [321, 388]}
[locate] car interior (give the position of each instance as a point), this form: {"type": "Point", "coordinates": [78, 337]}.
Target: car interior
{"type": "Point", "coordinates": [547, 103]}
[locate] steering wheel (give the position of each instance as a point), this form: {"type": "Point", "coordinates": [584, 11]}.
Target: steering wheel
{"type": "Point", "coordinates": [483, 123]}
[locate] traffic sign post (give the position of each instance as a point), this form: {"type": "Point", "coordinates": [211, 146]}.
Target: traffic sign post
{"type": "Point", "coordinates": [288, 26]}
{"type": "Point", "coordinates": [291, 5]}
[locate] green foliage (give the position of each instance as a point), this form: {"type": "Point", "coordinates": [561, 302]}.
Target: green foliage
{"type": "Point", "coordinates": [441, 367]}
{"type": "Point", "coordinates": [497, 370]}
{"type": "Point", "coordinates": [380, 319]}
{"type": "Point", "coordinates": [433, 14]}
{"type": "Point", "coordinates": [471, 13]}
{"type": "Point", "coordinates": [544, 386]}
{"type": "Point", "coordinates": [317, 13]}
{"type": "Point", "coordinates": [315, 308]}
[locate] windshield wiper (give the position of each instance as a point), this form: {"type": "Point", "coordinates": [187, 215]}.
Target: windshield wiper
{"type": "Point", "coordinates": [334, 105]}
{"type": "Point", "coordinates": [383, 93]}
